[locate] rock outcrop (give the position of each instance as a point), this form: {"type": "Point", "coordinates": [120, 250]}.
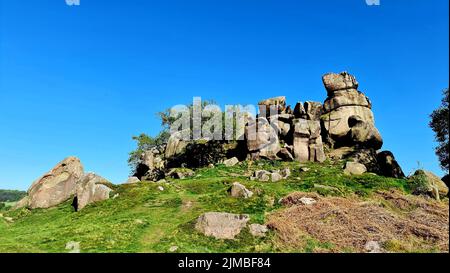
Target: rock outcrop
{"type": "Point", "coordinates": [65, 181]}
{"type": "Point", "coordinates": [56, 186]}
{"type": "Point", "coordinates": [262, 139]}
{"type": "Point", "coordinates": [388, 166]}
{"type": "Point", "coordinates": [428, 183]}
{"type": "Point", "coordinates": [308, 141]}
{"type": "Point", "coordinates": [90, 188]}
{"type": "Point", "coordinates": [347, 116]}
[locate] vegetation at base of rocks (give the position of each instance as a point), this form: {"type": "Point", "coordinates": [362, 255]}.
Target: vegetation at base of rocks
{"type": "Point", "coordinates": [206, 152]}
{"type": "Point", "coordinates": [11, 195]}
{"type": "Point", "coordinates": [144, 218]}
{"type": "Point", "coordinates": [440, 123]}
{"type": "Point", "coordinates": [418, 184]}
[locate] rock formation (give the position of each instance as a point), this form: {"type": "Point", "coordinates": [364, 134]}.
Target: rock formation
{"type": "Point", "coordinates": [429, 184]}
{"type": "Point", "coordinates": [90, 188]}
{"type": "Point", "coordinates": [65, 181]}
{"type": "Point", "coordinates": [56, 186]}
{"type": "Point", "coordinates": [347, 116]}
{"type": "Point", "coordinates": [343, 126]}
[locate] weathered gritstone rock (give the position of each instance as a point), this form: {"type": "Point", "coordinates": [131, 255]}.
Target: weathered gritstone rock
{"type": "Point", "coordinates": [347, 116]}
{"type": "Point", "coordinates": [176, 144]}
{"type": "Point", "coordinates": [431, 184]}
{"type": "Point", "coordinates": [221, 225]}
{"type": "Point", "coordinates": [91, 188]}
{"type": "Point", "coordinates": [354, 168]}
{"type": "Point", "coordinates": [132, 180]}
{"type": "Point", "coordinates": [308, 141]}
{"type": "Point", "coordinates": [278, 105]}
{"type": "Point", "coordinates": [231, 162]}
{"type": "Point", "coordinates": [56, 186]}
{"type": "Point", "coordinates": [262, 139]}
{"type": "Point", "coordinates": [388, 166]}
{"type": "Point", "coordinates": [151, 164]}
{"type": "Point", "coordinates": [239, 190]}
{"type": "Point", "coordinates": [258, 230]}
{"type": "Point", "coordinates": [180, 173]}
{"type": "Point", "coordinates": [274, 176]}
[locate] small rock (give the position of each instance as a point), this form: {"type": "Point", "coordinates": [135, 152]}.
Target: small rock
{"type": "Point", "coordinates": [139, 221]}
{"type": "Point", "coordinates": [354, 168]}
{"type": "Point", "coordinates": [239, 190]}
{"type": "Point", "coordinates": [173, 248]}
{"type": "Point", "coordinates": [160, 188]}
{"type": "Point", "coordinates": [211, 166]}
{"type": "Point", "coordinates": [373, 247]}
{"type": "Point", "coordinates": [231, 162]}
{"type": "Point", "coordinates": [285, 173]}
{"type": "Point", "coordinates": [275, 177]}
{"type": "Point", "coordinates": [132, 180]}
{"type": "Point", "coordinates": [73, 247]}
{"type": "Point", "coordinates": [8, 219]}
{"type": "Point", "coordinates": [304, 169]}
{"type": "Point", "coordinates": [221, 225]}
{"type": "Point", "coordinates": [115, 196]}
{"type": "Point", "coordinates": [307, 201]}
{"type": "Point", "coordinates": [262, 175]}
{"type": "Point", "coordinates": [258, 230]}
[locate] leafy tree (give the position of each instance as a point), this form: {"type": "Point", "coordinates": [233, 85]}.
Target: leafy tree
{"type": "Point", "coordinates": [439, 123]}
{"type": "Point", "coordinates": [11, 195]}
{"type": "Point", "coordinates": [144, 143]}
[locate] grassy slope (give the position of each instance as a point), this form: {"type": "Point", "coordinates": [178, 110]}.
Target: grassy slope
{"type": "Point", "coordinates": [145, 219]}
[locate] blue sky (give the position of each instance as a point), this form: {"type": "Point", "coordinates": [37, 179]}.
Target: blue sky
{"type": "Point", "coordinates": [81, 80]}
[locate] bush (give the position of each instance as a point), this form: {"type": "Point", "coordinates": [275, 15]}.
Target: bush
{"type": "Point", "coordinates": [199, 154]}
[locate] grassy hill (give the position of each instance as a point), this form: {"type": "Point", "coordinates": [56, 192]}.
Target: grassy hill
{"type": "Point", "coordinates": [142, 218]}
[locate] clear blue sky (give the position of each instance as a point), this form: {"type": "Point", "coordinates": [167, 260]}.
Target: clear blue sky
{"type": "Point", "coordinates": [82, 80]}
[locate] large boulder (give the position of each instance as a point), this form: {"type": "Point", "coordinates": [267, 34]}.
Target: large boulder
{"type": "Point", "coordinates": [176, 143]}
{"type": "Point", "coordinates": [262, 138]}
{"type": "Point", "coordinates": [308, 141]}
{"type": "Point", "coordinates": [91, 188]}
{"type": "Point", "coordinates": [347, 116]}
{"type": "Point", "coordinates": [426, 182]}
{"type": "Point", "coordinates": [56, 186]}
{"type": "Point", "coordinates": [151, 164]}
{"type": "Point", "coordinates": [354, 168]}
{"type": "Point", "coordinates": [221, 225]}
{"type": "Point", "coordinates": [388, 166]}
{"type": "Point", "coordinates": [335, 82]}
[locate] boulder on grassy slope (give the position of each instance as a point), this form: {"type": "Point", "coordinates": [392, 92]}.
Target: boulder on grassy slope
{"type": "Point", "coordinates": [91, 188]}
{"type": "Point", "coordinates": [56, 186]}
{"type": "Point", "coordinates": [221, 225]}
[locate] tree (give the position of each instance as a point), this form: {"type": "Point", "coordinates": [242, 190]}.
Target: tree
{"type": "Point", "coordinates": [145, 143]}
{"type": "Point", "coordinates": [439, 123]}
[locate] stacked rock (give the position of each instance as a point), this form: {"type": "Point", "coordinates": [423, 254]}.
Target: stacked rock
{"type": "Point", "coordinates": [347, 116]}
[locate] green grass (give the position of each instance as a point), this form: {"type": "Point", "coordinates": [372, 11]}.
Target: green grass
{"type": "Point", "coordinates": [145, 219]}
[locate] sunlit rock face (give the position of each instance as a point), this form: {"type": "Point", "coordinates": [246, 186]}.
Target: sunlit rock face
{"type": "Point", "coordinates": [347, 117]}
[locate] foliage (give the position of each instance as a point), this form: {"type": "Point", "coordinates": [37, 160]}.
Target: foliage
{"type": "Point", "coordinates": [439, 123]}
{"type": "Point", "coordinates": [144, 143]}
{"type": "Point", "coordinates": [11, 195]}
{"type": "Point", "coordinates": [199, 154]}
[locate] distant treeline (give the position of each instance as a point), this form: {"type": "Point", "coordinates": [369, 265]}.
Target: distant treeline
{"type": "Point", "coordinates": [11, 195]}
